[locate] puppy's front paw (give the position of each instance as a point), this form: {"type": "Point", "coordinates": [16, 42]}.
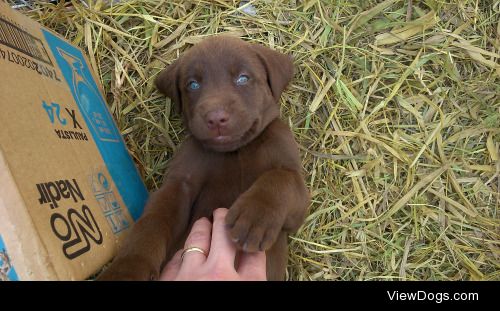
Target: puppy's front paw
{"type": "Point", "coordinates": [129, 269]}
{"type": "Point", "coordinates": [254, 226]}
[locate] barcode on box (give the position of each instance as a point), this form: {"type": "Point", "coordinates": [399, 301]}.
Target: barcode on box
{"type": "Point", "coordinates": [18, 39]}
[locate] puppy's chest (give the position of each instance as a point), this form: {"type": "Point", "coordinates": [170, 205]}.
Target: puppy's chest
{"type": "Point", "coordinates": [230, 175]}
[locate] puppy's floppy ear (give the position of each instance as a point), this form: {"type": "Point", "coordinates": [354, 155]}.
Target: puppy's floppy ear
{"type": "Point", "coordinates": [167, 82]}
{"type": "Point", "coordinates": [279, 68]}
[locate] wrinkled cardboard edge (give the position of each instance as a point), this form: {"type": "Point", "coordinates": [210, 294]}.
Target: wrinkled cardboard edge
{"type": "Point", "coordinates": [24, 246]}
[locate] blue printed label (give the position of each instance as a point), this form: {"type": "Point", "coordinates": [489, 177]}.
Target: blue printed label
{"type": "Point", "coordinates": [100, 123]}
{"type": "Point", "coordinates": [108, 203]}
{"type": "Point", "coordinates": [7, 271]}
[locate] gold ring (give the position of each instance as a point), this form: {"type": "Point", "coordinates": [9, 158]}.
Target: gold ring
{"type": "Point", "coordinates": [192, 249]}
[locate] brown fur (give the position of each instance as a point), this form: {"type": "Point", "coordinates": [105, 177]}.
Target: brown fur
{"type": "Point", "coordinates": [254, 169]}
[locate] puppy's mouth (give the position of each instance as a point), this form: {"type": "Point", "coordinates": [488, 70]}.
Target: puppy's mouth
{"type": "Point", "coordinates": [225, 143]}
{"type": "Point", "coordinates": [221, 139]}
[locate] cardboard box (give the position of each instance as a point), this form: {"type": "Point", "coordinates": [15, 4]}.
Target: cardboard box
{"type": "Point", "coordinates": [69, 190]}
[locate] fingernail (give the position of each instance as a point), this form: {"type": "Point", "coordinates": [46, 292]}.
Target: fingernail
{"type": "Point", "coordinates": [219, 211]}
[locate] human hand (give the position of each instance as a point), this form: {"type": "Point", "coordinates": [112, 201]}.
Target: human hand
{"type": "Point", "coordinates": [219, 263]}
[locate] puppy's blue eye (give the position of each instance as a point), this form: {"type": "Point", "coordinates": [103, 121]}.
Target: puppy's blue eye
{"type": "Point", "coordinates": [243, 79]}
{"type": "Point", "coordinates": [193, 85]}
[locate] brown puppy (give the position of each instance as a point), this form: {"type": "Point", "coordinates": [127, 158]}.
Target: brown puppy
{"type": "Point", "coordinates": [239, 156]}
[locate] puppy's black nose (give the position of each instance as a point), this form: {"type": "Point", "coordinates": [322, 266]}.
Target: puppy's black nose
{"type": "Point", "coordinates": [217, 118]}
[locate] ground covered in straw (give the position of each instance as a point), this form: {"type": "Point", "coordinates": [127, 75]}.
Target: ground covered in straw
{"type": "Point", "coordinates": [395, 105]}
